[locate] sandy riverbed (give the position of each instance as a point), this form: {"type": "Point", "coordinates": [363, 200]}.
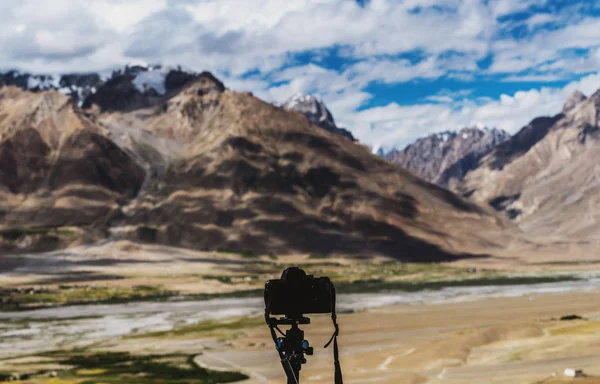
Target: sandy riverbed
{"type": "Point", "coordinates": [497, 340]}
{"type": "Point", "coordinates": [487, 340]}
{"type": "Point", "coordinates": [460, 335]}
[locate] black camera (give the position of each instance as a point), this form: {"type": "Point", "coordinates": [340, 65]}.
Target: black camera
{"type": "Point", "coordinates": [294, 295]}
{"type": "Point", "coordinates": [297, 293]}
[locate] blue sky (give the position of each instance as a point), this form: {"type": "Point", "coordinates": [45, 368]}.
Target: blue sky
{"type": "Point", "coordinates": [389, 70]}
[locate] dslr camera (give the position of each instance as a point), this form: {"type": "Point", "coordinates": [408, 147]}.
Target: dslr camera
{"type": "Point", "coordinates": [294, 295]}
{"type": "Point", "coordinates": [297, 293]}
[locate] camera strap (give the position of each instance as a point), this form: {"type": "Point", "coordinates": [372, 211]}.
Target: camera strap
{"type": "Point", "coordinates": [336, 352]}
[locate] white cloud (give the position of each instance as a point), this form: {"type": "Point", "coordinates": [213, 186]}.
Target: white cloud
{"type": "Point", "coordinates": [440, 99]}
{"type": "Point", "coordinates": [121, 16]}
{"type": "Point", "coordinates": [529, 78]}
{"type": "Point", "coordinates": [505, 7]}
{"type": "Point", "coordinates": [396, 126]}
{"type": "Point", "coordinates": [540, 19]}
{"type": "Point", "coordinates": [546, 51]}
{"type": "Point", "coordinates": [233, 37]}
{"type": "Point", "coordinates": [237, 36]}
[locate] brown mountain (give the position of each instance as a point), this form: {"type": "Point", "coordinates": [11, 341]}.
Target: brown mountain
{"type": "Point", "coordinates": [445, 158]}
{"type": "Point", "coordinates": [546, 177]}
{"type": "Point", "coordinates": [213, 169]}
{"type": "Point", "coordinates": [58, 168]}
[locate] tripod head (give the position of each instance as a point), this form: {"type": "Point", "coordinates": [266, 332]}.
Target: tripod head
{"type": "Point", "coordinates": [292, 346]}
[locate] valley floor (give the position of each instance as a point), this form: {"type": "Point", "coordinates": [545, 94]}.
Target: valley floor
{"type": "Point", "coordinates": [470, 333]}
{"type": "Point", "coordinates": [494, 340]}
{"type": "Point", "coordinates": [501, 340]}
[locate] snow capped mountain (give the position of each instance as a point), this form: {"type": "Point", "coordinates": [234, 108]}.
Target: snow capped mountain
{"type": "Point", "coordinates": [78, 86]}
{"type": "Point", "coordinates": [445, 157]}
{"type": "Point", "coordinates": [141, 85]}
{"type": "Point", "coordinates": [316, 112]}
{"type": "Point", "coordinates": [137, 82]}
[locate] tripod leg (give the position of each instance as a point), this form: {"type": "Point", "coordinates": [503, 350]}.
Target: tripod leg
{"type": "Point", "coordinates": [294, 378]}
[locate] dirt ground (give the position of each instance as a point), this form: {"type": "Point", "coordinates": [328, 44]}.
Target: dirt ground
{"type": "Point", "coordinates": [499, 340]}
{"type": "Point", "coordinates": [508, 340]}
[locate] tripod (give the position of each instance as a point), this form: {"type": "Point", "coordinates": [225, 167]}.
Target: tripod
{"type": "Point", "coordinates": [291, 346]}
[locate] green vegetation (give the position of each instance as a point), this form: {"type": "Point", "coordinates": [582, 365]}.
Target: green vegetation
{"type": "Point", "coordinates": [408, 285]}
{"type": "Point", "coordinates": [515, 356]}
{"type": "Point", "coordinates": [27, 298]}
{"type": "Point", "coordinates": [389, 271]}
{"type": "Point", "coordinates": [222, 279]}
{"type": "Point", "coordinates": [208, 327]}
{"type": "Point", "coordinates": [382, 277]}
{"type": "Point", "coordinates": [247, 280]}
{"type": "Point", "coordinates": [17, 233]}
{"type": "Point", "coordinates": [577, 328]}
{"type": "Point", "coordinates": [371, 286]}
{"type": "Point", "coordinates": [122, 367]}
{"type": "Point", "coordinates": [224, 295]}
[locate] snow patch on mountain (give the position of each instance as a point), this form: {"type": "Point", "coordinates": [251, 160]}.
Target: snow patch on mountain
{"type": "Point", "coordinates": [42, 82]}
{"type": "Point", "coordinates": [316, 112]}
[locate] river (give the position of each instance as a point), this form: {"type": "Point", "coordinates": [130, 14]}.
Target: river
{"type": "Point", "coordinates": [77, 326]}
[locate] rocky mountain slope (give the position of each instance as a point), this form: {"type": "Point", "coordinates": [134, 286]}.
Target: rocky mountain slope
{"type": "Point", "coordinates": [58, 168]}
{"type": "Point", "coordinates": [445, 158]}
{"type": "Point", "coordinates": [316, 112]}
{"type": "Point", "coordinates": [207, 168]}
{"type": "Point", "coordinates": [547, 176]}
{"type": "Point", "coordinates": [138, 86]}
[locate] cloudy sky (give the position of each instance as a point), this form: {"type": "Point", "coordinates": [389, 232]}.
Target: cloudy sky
{"type": "Point", "coordinates": [389, 70]}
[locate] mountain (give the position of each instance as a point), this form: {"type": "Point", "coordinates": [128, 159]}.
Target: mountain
{"type": "Point", "coordinates": [58, 169]}
{"type": "Point", "coordinates": [445, 158]}
{"type": "Point", "coordinates": [78, 86]}
{"type": "Point", "coordinates": [133, 87]}
{"type": "Point", "coordinates": [316, 112]}
{"type": "Point", "coordinates": [207, 168]}
{"type": "Point", "coordinates": [546, 177]}
{"type": "Point", "coordinates": [142, 86]}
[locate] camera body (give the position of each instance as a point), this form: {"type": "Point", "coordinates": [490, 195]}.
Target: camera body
{"type": "Point", "coordinates": [297, 293]}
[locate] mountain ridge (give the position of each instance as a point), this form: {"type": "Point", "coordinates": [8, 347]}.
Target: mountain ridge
{"type": "Point", "coordinates": [553, 158]}
{"type": "Point", "coordinates": [444, 158]}
{"type": "Point", "coordinates": [316, 112]}
{"type": "Point", "coordinates": [216, 169]}
{"type": "Point", "coordinates": [144, 86]}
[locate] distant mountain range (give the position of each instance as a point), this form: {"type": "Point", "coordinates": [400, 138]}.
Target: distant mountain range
{"type": "Point", "coordinates": [171, 157]}
{"type": "Point", "coordinates": [547, 176]}
{"type": "Point", "coordinates": [445, 158]}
